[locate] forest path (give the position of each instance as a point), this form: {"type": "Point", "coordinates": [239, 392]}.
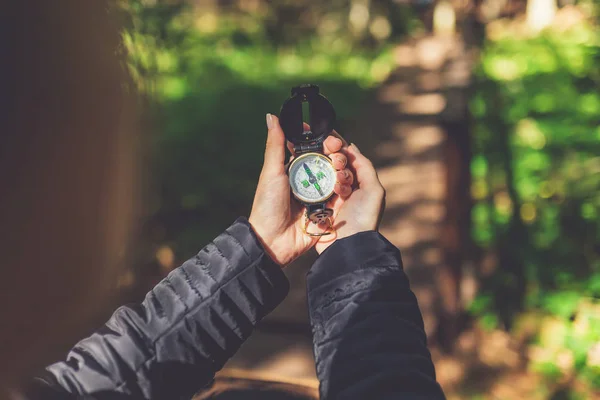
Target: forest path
{"type": "Point", "coordinates": [401, 130]}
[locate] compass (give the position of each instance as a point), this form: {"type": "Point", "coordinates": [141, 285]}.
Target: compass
{"type": "Point", "coordinates": [311, 173]}
{"type": "Point", "coordinates": [312, 178]}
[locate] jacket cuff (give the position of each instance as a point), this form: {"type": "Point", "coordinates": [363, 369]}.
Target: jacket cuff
{"type": "Point", "coordinates": [368, 249]}
{"type": "Point", "coordinates": [242, 231]}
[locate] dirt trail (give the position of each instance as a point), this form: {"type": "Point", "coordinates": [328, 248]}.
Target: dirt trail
{"type": "Point", "coordinates": [400, 130]}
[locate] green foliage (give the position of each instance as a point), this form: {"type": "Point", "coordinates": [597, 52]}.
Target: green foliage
{"type": "Point", "coordinates": [536, 186]}
{"type": "Point", "coordinates": [211, 75]}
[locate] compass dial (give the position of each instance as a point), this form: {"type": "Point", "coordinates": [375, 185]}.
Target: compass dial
{"type": "Point", "coordinates": [312, 178]}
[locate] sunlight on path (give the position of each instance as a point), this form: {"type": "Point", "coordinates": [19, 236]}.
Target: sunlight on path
{"type": "Point", "coordinates": [402, 134]}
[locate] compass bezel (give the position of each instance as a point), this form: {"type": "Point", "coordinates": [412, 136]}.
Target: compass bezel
{"type": "Point", "coordinates": [299, 196]}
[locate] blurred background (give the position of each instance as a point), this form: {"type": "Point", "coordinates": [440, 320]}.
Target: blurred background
{"type": "Point", "coordinates": [483, 119]}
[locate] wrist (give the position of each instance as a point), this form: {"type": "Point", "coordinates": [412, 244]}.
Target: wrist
{"type": "Point", "coordinates": [353, 237]}
{"type": "Point", "coordinates": [267, 243]}
{"type": "Point", "coordinates": [342, 233]}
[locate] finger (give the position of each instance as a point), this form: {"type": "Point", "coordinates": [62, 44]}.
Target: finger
{"type": "Point", "coordinates": [342, 190]}
{"type": "Point", "coordinates": [345, 177]}
{"type": "Point", "coordinates": [365, 173]}
{"type": "Point", "coordinates": [275, 148]}
{"type": "Point", "coordinates": [335, 203]}
{"type": "Point", "coordinates": [332, 145]}
{"type": "Point", "coordinates": [290, 147]}
{"type": "Point", "coordinates": [287, 166]}
{"type": "Point", "coordinates": [337, 135]}
{"type": "Point", "coordinates": [339, 161]}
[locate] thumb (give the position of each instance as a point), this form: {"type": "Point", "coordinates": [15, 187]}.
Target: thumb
{"type": "Point", "coordinates": [275, 149]}
{"type": "Point", "coordinates": [365, 172]}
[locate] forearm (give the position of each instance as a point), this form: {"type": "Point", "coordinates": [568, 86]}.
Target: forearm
{"type": "Point", "coordinates": [368, 330]}
{"type": "Point", "coordinates": [188, 326]}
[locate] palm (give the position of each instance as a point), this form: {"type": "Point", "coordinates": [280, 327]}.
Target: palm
{"type": "Point", "coordinates": [277, 219]}
{"type": "Point", "coordinates": [282, 218]}
{"type": "Point", "coordinates": [362, 210]}
{"type": "Point", "coordinates": [294, 232]}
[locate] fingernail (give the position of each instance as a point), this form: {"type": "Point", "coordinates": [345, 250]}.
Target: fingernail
{"type": "Point", "coordinates": [270, 121]}
{"type": "Point", "coordinates": [355, 147]}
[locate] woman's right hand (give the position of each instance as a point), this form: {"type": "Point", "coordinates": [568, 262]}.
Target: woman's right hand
{"type": "Point", "coordinates": [362, 210]}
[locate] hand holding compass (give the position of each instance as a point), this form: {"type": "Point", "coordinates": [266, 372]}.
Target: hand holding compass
{"type": "Point", "coordinates": [280, 221]}
{"type": "Point", "coordinates": [277, 219]}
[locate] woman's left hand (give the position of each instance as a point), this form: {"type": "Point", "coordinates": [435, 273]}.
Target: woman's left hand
{"type": "Point", "coordinates": [277, 219]}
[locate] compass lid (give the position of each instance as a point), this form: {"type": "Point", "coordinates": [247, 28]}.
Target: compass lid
{"type": "Point", "coordinates": [322, 115]}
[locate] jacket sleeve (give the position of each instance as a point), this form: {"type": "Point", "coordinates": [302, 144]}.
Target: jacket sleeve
{"type": "Point", "coordinates": [368, 333]}
{"type": "Point", "coordinates": [188, 326]}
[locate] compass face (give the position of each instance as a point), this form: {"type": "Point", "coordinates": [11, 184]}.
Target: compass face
{"type": "Point", "coordinates": [312, 178]}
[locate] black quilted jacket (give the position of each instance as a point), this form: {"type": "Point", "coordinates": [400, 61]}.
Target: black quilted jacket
{"type": "Point", "coordinates": [368, 332]}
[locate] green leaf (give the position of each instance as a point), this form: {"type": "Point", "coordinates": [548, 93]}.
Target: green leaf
{"type": "Point", "coordinates": [562, 304]}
